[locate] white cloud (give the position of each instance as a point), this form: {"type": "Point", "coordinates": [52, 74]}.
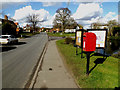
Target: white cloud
{"type": "Point", "coordinates": [49, 23]}
{"type": "Point", "coordinates": [22, 13]}
{"type": "Point", "coordinates": [99, 19]}
{"type": "Point", "coordinates": [14, 0]}
{"type": "Point", "coordinates": [109, 16]}
{"type": "Point", "coordinates": [46, 4]}
{"type": "Point", "coordinates": [8, 14]}
{"type": "Point", "coordinates": [116, 17]}
{"type": "Point", "coordinates": [59, 0]}
{"type": "Point", "coordinates": [88, 11]}
{"type": "Point", "coordinates": [95, 0]}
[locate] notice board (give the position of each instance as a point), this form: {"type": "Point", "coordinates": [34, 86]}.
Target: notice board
{"type": "Point", "coordinates": [78, 37]}
{"type": "Point", "coordinates": [101, 37]}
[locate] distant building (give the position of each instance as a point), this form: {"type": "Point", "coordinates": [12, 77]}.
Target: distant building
{"type": "Point", "coordinates": [99, 26]}
{"type": "Point", "coordinates": [18, 27]}
{"type": "Point", "coordinates": [54, 30]}
{"type": "Point", "coordinates": [70, 30]}
{"type": "Point", "coordinates": [27, 28]}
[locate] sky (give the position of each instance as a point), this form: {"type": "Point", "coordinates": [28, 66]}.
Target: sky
{"type": "Point", "coordinates": [84, 13]}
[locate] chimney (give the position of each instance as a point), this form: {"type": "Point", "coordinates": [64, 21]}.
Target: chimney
{"type": "Point", "coordinates": [6, 17]}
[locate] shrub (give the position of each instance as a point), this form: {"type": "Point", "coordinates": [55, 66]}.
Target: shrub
{"type": "Point", "coordinates": [116, 55]}
{"type": "Point", "coordinates": [68, 40]}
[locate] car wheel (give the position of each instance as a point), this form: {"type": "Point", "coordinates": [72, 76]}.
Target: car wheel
{"type": "Point", "coordinates": [16, 42]}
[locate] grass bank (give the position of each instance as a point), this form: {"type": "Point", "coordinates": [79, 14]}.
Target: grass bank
{"type": "Point", "coordinates": [103, 75]}
{"type": "Point", "coordinates": [61, 35]}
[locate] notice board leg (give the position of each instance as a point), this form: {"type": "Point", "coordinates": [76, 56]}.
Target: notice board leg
{"type": "Point", "coordinates": [81, 53]}
{"type": "Point", "coordinates": [76, 50]}
{"type": "Point", "coordinates": [104, 53]}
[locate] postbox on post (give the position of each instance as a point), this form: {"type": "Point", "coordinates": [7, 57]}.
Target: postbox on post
{"type": "Point", "coordinates": [89, 45]}
{"type": "Point", "coordinates": [89, 42]}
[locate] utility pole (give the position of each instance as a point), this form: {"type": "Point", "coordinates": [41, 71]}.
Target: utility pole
{"type": "Point", "coordinates": [68, 3]}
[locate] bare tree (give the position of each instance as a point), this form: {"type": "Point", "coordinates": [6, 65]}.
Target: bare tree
{"type": "Point", "coordinates": [62, 17]}
{"type": "Point", "coordinates": [33, 19]}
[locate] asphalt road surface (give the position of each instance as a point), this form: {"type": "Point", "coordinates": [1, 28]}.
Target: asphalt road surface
{"type": "Point", "coordinates": [19, 60]}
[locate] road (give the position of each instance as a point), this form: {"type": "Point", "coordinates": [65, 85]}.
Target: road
{"type": "Point", "coordinates": [18, 61]}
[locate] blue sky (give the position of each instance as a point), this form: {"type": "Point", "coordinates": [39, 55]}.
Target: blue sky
{"type": "Point", "coordinates": [10, 9]}
{"type": "Point", "coordinates": [106, 10]}
{"type": "Point", "coordinates": [110, 6]}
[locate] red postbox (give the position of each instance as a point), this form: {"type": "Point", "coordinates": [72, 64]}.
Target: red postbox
{"type": "Point", "coordinates": [89, 42]}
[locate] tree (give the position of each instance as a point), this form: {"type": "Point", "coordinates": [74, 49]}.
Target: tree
{"type": "Point", "coordinates": [8, 27]}
{"type": "Point", "coordinates": [80, 26]}
{"type": "Point", "coordinates": [71, 23]}
{"type": "Point", "coordinates": [62, 18]}
{"type": "Point", "coordinates": [111, 24]}
{"type": "Point", "coordinates": [95, 25]}
{"type": "Point", "coordinates": [33, 19]}
{"type": "Point", "coordinates": [116, 30]}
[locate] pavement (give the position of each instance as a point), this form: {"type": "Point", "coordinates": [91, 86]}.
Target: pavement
{"type": "Point", "coordinates": [53, 73]}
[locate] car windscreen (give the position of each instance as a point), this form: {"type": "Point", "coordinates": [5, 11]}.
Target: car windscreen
{"type": "Point", "coordinates": [4, 36]}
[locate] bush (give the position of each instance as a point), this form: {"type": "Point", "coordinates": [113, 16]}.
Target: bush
{"type": "Point", "coordinates": [116, 55]}
{"type": "Point", "coordinates": [68, 40]}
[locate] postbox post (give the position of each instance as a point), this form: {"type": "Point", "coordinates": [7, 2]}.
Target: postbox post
{"type": "Point", "coordinates": [88, 62]}
{"type": "Point", "coordinates": [89, 46]}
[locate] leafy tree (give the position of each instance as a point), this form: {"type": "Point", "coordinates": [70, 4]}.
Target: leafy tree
{"type": "Point", "coordinates": [116, 30]}
{"type": "Point", "coordinates": [111, 24]}
{"type": "Point", "coordinates": [96, 25]}
{"type": "Point", "coordinates": [71, 23]}
{"type": "Point", "coordinates": [8, 28]}
{"type": "Point", "coordinates": [63, 19]}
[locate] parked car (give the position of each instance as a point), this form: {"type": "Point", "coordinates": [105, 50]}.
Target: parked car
{"type": "Point", "coordinates": [8, 39]}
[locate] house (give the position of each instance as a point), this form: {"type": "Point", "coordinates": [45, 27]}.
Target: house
{"type": "Point", "coordinates": [70, 30]}
{"type": "Point", "coordinates": [18, 27]}
{"type": "Point", "coordinates": [27, 28]}
{"type": "Point", "coordinates": [8, 26]}
{"type": "Point", "coordinates": [99, 26]}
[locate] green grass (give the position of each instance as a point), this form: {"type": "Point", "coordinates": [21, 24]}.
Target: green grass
{"type": "Point", "coordinates": [59, 34]}
{"type": "Point", "coordinates": [28, 34]}
{"type": "Point", "coordinates": [102, 76]}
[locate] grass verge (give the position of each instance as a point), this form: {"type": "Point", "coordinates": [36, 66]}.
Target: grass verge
{"type": "Point", "coordinates": [61, 35]}
{"type": "Point", "coordinates": [103, 75]}
{"type": "Point", "coordinates": [28, 34]}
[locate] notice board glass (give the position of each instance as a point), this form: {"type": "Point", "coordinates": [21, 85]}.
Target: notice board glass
{"type": "Point", "coordinates": [78, 36]}
{"type": "Point", "coordinates": [101, 37]}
